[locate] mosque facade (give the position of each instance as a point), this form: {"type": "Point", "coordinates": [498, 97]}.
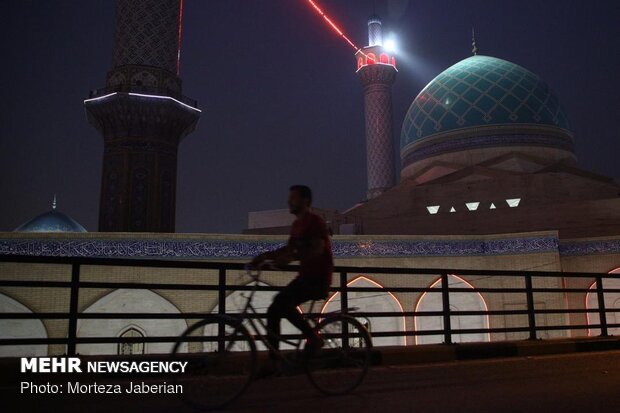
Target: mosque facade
{"type": "Point", "coordinates": [489, 180]}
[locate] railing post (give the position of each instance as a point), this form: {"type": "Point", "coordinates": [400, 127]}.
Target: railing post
{"type": "Point", "coordinates": [531, 312]}
{"type": "Point", "coordinates": [344, 294]}
{"type": "Point", "coordinates": [445, 299]}
{"type": "Point", "coordinates": [602, 312]}
{"type": "Point", "coordinates": [73, 308]}
{"type": "Point", "coordinates": [344, 308]}
{"type": "Point", "coordinates": [221, 309]}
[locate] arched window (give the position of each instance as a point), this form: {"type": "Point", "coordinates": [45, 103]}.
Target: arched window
{"type": "Point", "coordinates": [383, 58]}
{"type": "Point", "coordinates": [130, 301]}
{"type": "Point", "coordinates": [459, 301]}
{"type": "Point", "coordinates": [612, 301]}
{"type": "Point", "coordinates": [131, 348]}
{"type": "Point", "coordinates": [372, 301]}
{"type": "Point", "coordinates": [371, 59]}
{"type": "Point", "coordinates": [23, 328]}
{"type": "Point", "coordinates": [360, 62]}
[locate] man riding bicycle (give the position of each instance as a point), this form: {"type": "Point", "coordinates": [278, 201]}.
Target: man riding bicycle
{"type": "Point", "coordinates": [309, 243]}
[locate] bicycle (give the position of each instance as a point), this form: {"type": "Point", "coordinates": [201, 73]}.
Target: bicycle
{"type": "Point", "coordinates": [216, 374]}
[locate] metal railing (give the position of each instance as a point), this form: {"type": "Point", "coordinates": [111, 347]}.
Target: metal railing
{"type": "Point", "coordinates": [75, 285]}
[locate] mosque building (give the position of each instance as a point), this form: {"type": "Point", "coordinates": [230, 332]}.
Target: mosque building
{"type": "Point", "coordinates": [485, 148]}
{"type": "Point", "coordinates": [489, 180]}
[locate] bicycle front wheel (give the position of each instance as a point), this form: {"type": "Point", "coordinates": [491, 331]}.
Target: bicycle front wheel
{"type": "Point", "coordinates": [221, 358]}
{"type": "Point", "coordinates": [341, 365]}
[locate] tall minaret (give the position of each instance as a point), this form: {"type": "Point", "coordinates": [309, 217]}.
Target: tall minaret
{"type": "Point", "coordinates": [376, 69]}
{"type": "Point", "coordinates": [142, 116]}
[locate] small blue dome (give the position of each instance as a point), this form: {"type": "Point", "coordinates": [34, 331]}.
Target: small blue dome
{"type": "Point", "coordinates": [52, 221]}
{"type": "Point", "coordinates": [481, 91]}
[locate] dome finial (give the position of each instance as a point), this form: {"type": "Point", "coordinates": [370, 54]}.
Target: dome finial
{"type": "Point", "coordinates": [474, 45]}
{"type": "Point", "coordinates": [54, 202]}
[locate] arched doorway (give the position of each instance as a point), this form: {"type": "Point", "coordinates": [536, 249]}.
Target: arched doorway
{"type": "Point", "coordinates": [235, 302]}
{"type": "Point", "coordinates": [459, 301]}
{"type": "Point", "coordinates": [372, 302]}
{"type": "Point", "coordinates": [133, 347]}
{"type": "Point", "coordinates": [612, 301]}
{"type": "Point", "coordinates": [24, 328]}
{"type": "Point", "coordinates": [130, 301]}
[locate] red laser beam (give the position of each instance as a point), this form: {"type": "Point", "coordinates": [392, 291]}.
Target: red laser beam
{"type": "Point", "coordinates": [332, 24]}
{"type": "Point", "coordinates": [180, 35]}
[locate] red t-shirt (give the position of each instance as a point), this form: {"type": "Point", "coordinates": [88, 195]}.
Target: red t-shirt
{"type": "Point", "coordinates": [305, 231]}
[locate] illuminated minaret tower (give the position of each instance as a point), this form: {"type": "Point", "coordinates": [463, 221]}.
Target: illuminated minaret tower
{"type": "Point", "coordinates": [376, 69]}
{"type": "Point", "coordinates": [142, 116]}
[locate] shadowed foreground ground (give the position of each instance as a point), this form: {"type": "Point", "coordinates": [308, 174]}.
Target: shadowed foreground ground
{"type": "Point", "coordinates": [559, 383]}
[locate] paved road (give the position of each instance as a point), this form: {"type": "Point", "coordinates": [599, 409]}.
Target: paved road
{"type": "Point", "coordinates": [561, 383]}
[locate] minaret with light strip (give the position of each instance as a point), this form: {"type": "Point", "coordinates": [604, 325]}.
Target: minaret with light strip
{"type": "Point", "coordinates": [376, 69]}
{"type": "Point", "coordinates": [142, 115]}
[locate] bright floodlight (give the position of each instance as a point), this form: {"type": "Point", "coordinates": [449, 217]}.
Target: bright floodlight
{"type": "Point", "coordinates": [390, 45]}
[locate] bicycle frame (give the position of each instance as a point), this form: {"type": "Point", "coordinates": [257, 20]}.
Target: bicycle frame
{"type": "Point", "coordinates": [255, 322]}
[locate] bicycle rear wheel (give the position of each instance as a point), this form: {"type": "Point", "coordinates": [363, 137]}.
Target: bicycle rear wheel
{"type": "Point", "coordinates": [216, 374]}
{"type": "Point", "coordinates": [341, 365]}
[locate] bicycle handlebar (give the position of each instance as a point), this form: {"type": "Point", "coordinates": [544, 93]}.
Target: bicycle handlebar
{"type": "Point", "coordinates": [254, 272]}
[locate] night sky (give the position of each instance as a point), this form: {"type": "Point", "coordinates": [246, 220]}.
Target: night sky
{"type": "Point", "coordinates": [280, 99]}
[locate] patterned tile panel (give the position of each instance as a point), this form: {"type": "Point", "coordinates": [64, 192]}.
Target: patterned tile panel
{"type": "Point", "coordinates": [609, 246]}
{"type": "Point", "coordinates": [480, 91]}
{"type": "Point", "coordinates": [377, 81]}
{"type": "Point", "coordinates": [463, 144]}
{"type": "Point", "coordinates": [147, 33]}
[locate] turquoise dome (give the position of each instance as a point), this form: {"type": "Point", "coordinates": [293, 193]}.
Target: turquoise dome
{"type": "Point", "coordinates": [481, 91]}
{"type": "Point", "coordinates": [51, 221]}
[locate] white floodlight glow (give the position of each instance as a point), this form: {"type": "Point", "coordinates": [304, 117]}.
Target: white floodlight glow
{"type": "Point", "coordinates": [144, 96]}
{"type": "Point", "coordinates": [391, 45]}
{"type": "Point", "coordinates": [166, 98]}
{"type": "Point", "coordinates": [472, 206]}
{"type": "Point", "coordinates": [514, 202]}
{"type": "Point", "coordinates": [100, 97]}
{"type": "Point", "coordinates": [433, 209]}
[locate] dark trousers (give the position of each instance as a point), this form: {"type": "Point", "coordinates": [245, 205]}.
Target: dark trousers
{"type": "Point", "coordinates": [285, 306]}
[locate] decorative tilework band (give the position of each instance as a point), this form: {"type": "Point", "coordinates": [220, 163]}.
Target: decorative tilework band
{"type": "Point", "coordinates": [242, 249]}
{"type": "Point", "coordinates": [463, 144]}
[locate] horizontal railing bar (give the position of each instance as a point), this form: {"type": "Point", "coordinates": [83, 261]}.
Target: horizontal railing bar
{"type": "Point", "coordinates": [189, 316]}
{"type": "Point", "coordinates": [162, 263]}
{"type": "Point", "coordinates": [26, 283]}
{"type": "Point", "coordinates": [105, 340]}
{"type": "Point", "coordinates": [486, 330]}
{"type": "Point", "coordinates": [170, 339]}
{"type": "Point", "coordinates": [215, 287]}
